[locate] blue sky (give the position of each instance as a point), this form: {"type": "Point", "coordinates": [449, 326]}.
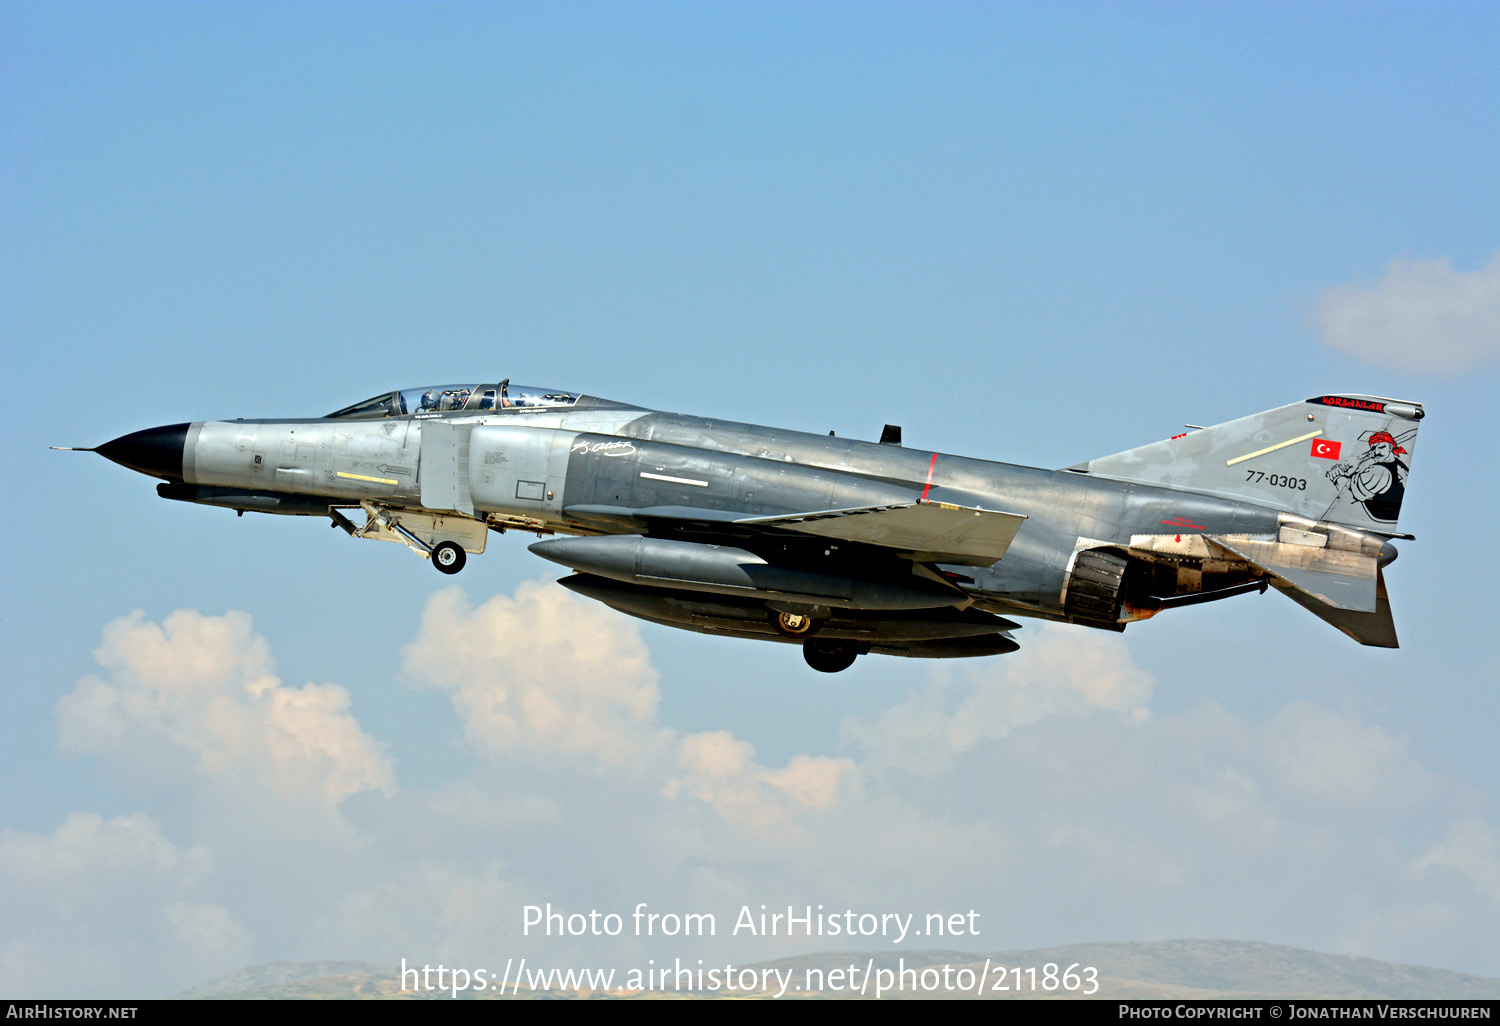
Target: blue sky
{"type": "Point", "coordinates": [1033, 233]}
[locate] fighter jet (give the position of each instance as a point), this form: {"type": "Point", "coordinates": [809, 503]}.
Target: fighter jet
{"type": "Point", "coordinates": [841, 546]}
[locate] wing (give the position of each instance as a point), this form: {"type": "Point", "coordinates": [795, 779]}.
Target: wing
{"type": "Point", "coordinates": [925, 532]}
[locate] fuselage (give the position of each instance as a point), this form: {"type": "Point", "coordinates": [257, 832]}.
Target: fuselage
{"type": "Point", "coordinates": [840, 545]}
{"type": "Point", "coordinates": [566, 470]}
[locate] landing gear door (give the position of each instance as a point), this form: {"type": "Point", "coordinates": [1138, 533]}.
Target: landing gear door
{"type": "Point", "coordinates": [519, 470]}
{"type": "Point", "coordinates": [445, 467]}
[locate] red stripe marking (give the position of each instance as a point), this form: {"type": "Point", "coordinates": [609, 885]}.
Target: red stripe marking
{"type": "Point", "coordinates": [930, 466]}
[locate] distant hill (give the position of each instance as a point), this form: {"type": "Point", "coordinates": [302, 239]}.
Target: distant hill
{"type": "Point", "coordinates": [1175, 970]}
{"type": "Point", "coordinates": [301, 980]}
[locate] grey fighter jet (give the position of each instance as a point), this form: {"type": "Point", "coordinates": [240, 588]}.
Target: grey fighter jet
{"type": "Point", "coordinates": [843, 547]}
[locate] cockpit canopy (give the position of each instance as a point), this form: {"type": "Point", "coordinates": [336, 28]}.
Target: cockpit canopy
{"type": "Point", "coordinates": [448, 398]}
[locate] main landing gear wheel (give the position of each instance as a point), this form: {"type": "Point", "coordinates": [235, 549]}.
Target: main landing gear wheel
{"type": "Point", "coordinates": [830, 656]}
{"type": "Point", "coordinates": [794, 625]}
{"type": "Point", "coordinates": [448, 557]}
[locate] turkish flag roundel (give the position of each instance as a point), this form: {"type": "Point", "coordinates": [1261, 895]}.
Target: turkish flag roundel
{"type": "Point", "coordinates": [1325, 449]}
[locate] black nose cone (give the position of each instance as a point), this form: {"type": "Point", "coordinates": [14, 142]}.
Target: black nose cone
{"type": "Point", "coordinates": [155, 451]}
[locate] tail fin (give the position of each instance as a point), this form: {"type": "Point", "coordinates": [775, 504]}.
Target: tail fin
{"type": "Point", "coordinates": [1338, 458]}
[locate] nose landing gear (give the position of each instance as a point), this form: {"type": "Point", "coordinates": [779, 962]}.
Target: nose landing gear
{"type": "Point", "coordinates": [445, 539]}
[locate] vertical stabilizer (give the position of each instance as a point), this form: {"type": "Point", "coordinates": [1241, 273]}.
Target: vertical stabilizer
{"type": "Point", "coordinates": [1339, 458]}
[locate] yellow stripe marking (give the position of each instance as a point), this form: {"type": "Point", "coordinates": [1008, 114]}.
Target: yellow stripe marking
{"type": "Point", "coordinates": [372, 480]}
{"type": "Point", "coordinates": [1271, 448]}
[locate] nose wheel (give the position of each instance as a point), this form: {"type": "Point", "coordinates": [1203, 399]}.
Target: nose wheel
{"type": "Point", "coordinates": [448, 557]}
{"type": "Point", "coordinates": [830, 656]}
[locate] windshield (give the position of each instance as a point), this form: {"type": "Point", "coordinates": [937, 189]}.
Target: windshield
{"type": "Point", "coordinates": [435, 399]}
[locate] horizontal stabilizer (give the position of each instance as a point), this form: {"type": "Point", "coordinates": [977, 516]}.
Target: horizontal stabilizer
{"type": "Point", "coordinates": [1343, 580]}
{"type": "Point", "coordinates": [1376, 629]}
{"type": "Point", "coordinates": [930, 532]}
{"type": "Point", "coordinates": [1347, 589]}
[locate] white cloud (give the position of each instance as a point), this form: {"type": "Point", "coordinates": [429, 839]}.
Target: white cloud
{"type": "Point", "coordinates": [542, 671]}
{"type": "Point", "coordinates": [87, 855]}
{"type": "Point", "coordinates": [207, 932]}
{"type": "Point", "coordinates": [811, 780]}
{"type": "Point", "coordinates": [204, 687]}
{"type": "Point", "coordinates": [1344, 763]}
{"type": "Point", "coordinates": [721, 771]}
{"type": "Point", "coordinates": [1038, 789]}
{"type": "Point", "coordinates": [1060, 671]}
{"type": "Point", "coordinates": [104, 906]}
{"type": "Point", "coordinates": [1228, 800]}
{"type": "Point", "coordinates": [1472, 850]}
{"type": "Point", "coordinates": [547, 673]}
{"type": "Point", "coordinates": [453, 908]}
{"type": "Point", "coordinates": [1420, 315]}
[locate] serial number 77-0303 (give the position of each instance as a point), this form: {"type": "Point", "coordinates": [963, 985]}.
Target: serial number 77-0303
{"type": "Point", "coordinates": [1296, 484]}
